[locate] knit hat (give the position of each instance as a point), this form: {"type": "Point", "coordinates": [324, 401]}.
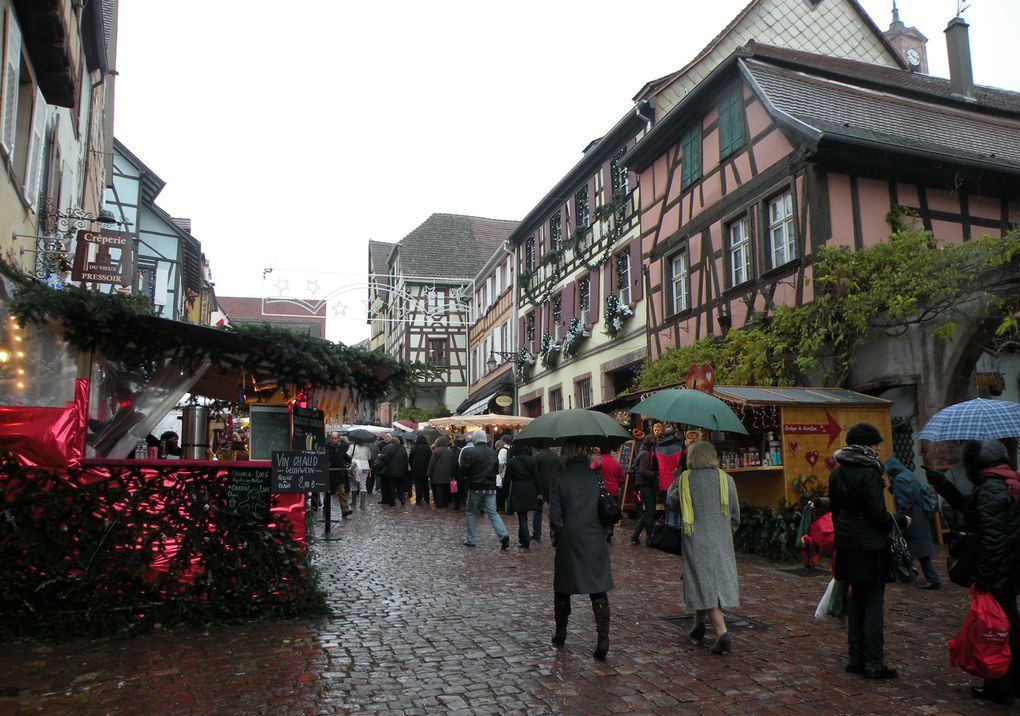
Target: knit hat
{"type": "Point", "coordinates": [478, 437]}
{"type": "Point", "coordinates": [863, 434]}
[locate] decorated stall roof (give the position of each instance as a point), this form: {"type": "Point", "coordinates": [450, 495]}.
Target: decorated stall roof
{"type": "Point", "coordinates": [794, 396]}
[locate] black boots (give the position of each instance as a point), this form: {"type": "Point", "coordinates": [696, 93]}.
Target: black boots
{"type": "Point", "coordinates": [601, 609]}
{"type": "Point", "coordinates": [561, 606]}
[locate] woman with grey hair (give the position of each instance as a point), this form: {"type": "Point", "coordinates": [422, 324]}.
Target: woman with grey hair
{"type": "Point", "coordinates": [582, 563]}
{"type": "Point", "coordinates": [706, 498]}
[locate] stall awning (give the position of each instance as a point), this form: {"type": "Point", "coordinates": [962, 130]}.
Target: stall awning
{"type": "Point", "coordinates": [756, 395]}
{"type": "Point", "coordinates": [478, 402]}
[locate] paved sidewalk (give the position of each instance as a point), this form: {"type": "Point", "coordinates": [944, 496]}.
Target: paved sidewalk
{"type": "Point", "coordinates": [426, 625]}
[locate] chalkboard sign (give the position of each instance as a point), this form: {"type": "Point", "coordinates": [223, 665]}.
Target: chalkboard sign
{"type": "Point", "coordinates": [626, 454]}
{"type": "Point", "coordinates": [248, 491]}
{"type": "Point", "coordinates": [309, 429]}
{"type": "Point", "coordinates": [300, 471]}
{"type": "Point", "coordinates": [269, 429]}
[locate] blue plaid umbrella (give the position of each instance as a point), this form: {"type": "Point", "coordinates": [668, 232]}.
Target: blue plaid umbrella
{"type": "Point", "coordinates": [977, 419]}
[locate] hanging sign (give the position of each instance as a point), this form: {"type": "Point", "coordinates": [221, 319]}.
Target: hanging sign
{"type": "Point", "coordinates": [102, 257]}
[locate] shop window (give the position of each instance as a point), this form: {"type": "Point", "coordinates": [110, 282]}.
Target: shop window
{"type": "Point", "coordinates": [690, 144]}
{"type": "Point", "coordinates": [623, 277]}
{"type": "Point", "coordinates": [731, 123]}
{"type": "Point", "coordinates": [782, 237]}
{"type": "Point", "coordinates": [738, 235]}
{"type": "Point", "coordinates": [437, 352]}
{"type": "Point", "coordinates": [582, 391]}
{"type": "Point", "coordinates": [679, 278]}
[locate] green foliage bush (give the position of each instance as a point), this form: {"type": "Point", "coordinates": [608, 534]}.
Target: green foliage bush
{"type": "Point", "coordinates": [769, 532]}
{"type": "Point", "coordinates": [87, 558]}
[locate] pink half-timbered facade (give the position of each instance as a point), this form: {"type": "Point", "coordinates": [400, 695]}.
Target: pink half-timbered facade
{"type": "Point", "coordinates": [779, 152]}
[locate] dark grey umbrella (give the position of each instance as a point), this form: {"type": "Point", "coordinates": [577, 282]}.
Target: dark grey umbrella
{"type": "Point", "coordinates": [361, 436]}
{"type": "Point", "coordinates": [559, 426]}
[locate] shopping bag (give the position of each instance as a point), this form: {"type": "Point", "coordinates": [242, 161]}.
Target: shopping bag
{"type": "Point", "coordinates": [453, 487]}
{"type": "Point", "coordinates": [832, 605]}
{"type": "Point", "coordinates": [982, 646]}
{"type": "Point", "coordinates": [664, 536]}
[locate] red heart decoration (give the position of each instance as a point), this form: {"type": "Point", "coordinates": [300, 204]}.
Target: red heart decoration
{"type": "Point", "coordinates": [811, 457]}
{"type": "Point", "coordinates": [830, 462]}
{"type": "Point", "coordinates": [793, 446]}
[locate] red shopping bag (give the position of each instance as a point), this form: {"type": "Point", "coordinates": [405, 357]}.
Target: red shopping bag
{"type": "Point", "coordinates": [982, 646]}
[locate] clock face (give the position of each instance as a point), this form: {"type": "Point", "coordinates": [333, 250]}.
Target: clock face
{"type": "Point", "coordinates": [913, 57]}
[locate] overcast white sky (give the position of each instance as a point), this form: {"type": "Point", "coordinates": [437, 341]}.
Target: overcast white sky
{"type": "Point", "coordinates": [291, 133]}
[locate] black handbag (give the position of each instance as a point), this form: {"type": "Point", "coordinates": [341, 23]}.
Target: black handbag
{"type": "Point", "coordinates": [963, 556]}
{"type": "Point", "coordinates": [665, 537]}
{"type": "Point", "coordinates": [609, 508]}
{"type": "Point", "coordinates": [901, 563]}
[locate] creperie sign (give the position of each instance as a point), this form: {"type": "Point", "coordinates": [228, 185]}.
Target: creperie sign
{"type": "Point", "coordinates": [94, 258]}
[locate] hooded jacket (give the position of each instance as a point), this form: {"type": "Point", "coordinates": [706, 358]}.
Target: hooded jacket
{"type": "Point", "coordinates": [859, 515]}
{"type": "Point", "coordinates": [910, 499]}
{"type": "Point", "coordinates": [993, 513]}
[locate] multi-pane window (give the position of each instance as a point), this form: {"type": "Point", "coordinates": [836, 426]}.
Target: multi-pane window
{"type": "Point", "coordinates": [555, 232]}
{"type": "Point", "coordinates": [583, 392]}
{"type": "Point", "coordinates": [529, 329]}
{"type": "Point", "coordinates": [618, 172]}
{"type": "Point", "coordinates": [581, 208]}
{"type": "Point", "coordinates": [529, 253]}
{"type": "Point", "coordinates": [679, 282]}
{"type": "Point", "coordinates": [691, 146]}
{"type": "Point", "coordinates": [435, 302]}
{"type": "Point", "coordinates": [555, 399]}
{"type": "Point", "coordinates": [739, 235]}
{"type": "Point", "coordinates": [731, 123]}
{"type": "Point", "coordinates": [584, 299]}
{"type": "Point", "coordinates": [782, 238]}
{"type": "Point", "coordinates": [557, 316]}
{"type": "Point", "coordinates": [437, 351]}
{"type": "Point", "coordinates": [623, 278]}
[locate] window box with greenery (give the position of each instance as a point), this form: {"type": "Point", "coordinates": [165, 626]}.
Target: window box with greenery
{"type": "Point", "coordinates": [576, 332]}
{"type": "Point", "coordinates": [616, 314]}
{"type": "Point", "coordinates": [523, 361]}
{"type": "Point", "coordinates": [549, 352]}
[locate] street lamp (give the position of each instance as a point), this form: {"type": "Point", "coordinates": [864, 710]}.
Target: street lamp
{"type": "Point", "coordinates": [491, 363]}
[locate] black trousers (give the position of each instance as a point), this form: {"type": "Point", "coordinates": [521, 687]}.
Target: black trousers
{"type": "Point", "coordinates": [441, 494]}
{"type": "Point", "coordinates": [649, 495]}
{"type": "Point", "coordinates": [390, 487]}
{"type": "Point", "coordinates": [523, 531]}
{"type": "Point", "coordinates": [1009, 685]}
{"type": "Point", "coordinates": [421, 490]}
{"type": "Point", "coordinates": [865, 622]}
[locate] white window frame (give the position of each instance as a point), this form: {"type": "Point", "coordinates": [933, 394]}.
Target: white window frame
{"type": "Point", "coordinates": [11, 81]}
{"type": "Point", "coordinates": [584, 394]}
{"type": "Point", "coordinates": [584, 301]}
{"type": "Point", "coordinates": [782, 234]}
{"type": "Point", "coordinates": [622, 278]}
{"type": "Point", "coordinates": [36, 144]}
{"type": "Point", "coordinates": [738, 235]}
{"type": "Point", "coordinates": [557, 315]}
{"type": "Point", "coordinates": [679, 282]}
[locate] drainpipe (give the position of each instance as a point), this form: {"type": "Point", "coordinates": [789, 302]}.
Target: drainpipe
{"type": "Point", "coordinates": [513, 316]}
{"type": "Point", "coordinates": [961, 74]}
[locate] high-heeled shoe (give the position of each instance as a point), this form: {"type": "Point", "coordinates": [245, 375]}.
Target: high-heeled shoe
{"type": "Point", "coordinates": [698, 633]}
{"type": "Point", "coordinates": [722, 644]}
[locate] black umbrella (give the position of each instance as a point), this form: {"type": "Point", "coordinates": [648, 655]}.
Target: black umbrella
{"type": "Point", "coordinates": [361, 436]}
{"type": "Point", "coordinates": [587, 426]}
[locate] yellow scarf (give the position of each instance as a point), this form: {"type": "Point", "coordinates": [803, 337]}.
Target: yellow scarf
{"type": "Point", "coordinates": [687, 506]}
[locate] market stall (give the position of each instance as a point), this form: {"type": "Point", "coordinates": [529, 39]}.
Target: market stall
{"type": "Point", "coordinates": [791, 436]}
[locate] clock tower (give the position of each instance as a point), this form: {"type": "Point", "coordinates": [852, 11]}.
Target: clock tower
{"type": "Point", "coordinates": [908, 42]}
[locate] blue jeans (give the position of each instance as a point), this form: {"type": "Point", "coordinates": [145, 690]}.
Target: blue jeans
{"type": "Point", "coordinates": [487, 499]}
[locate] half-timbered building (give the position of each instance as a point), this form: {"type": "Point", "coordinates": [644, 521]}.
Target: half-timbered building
{"type": "Point", "coordinates": [425, 298]}
{"type": "Point", "coordinates": [778, 152]}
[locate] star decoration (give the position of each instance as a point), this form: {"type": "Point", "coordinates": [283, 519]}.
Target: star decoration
{"type": "Point", "coordinates": [312, 287]}
{"type": "Point", "coordinates": [282, 285]}
{"type": "Point", "coordinates": [339, 309]}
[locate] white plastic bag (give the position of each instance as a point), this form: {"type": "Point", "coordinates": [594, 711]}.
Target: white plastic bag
{"type": "Point", "coordinates": [821, 611]}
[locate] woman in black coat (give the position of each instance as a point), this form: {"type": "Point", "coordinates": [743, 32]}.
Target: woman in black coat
{"type": "Point", "coordinates": [521, 482]}
{"type": "Point", "coordinates": [582, 553]}
{"type": "Point", "coordinates": [991, 512]}
{"type": "Point", "coordinates": [862, 525]}
{"type": "Point", "coordinates": [418, 461]}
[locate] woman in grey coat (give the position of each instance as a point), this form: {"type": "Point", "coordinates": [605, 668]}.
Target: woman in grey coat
{"type": "Point", "coordinates": [706, 498]}
{"type": "Point", "coordinates": [582, 552]}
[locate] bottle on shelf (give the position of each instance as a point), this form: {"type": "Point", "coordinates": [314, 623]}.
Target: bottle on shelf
{"type": "Point", "coordinates": [141, 450]}
{"type": "Point", "coordinates": [775, 449]}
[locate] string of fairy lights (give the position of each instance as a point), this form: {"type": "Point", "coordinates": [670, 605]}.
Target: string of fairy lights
{"type": "Point", "coordinates": [12, 354]}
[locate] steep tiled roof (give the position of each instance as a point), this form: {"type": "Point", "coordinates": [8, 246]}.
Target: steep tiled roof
{"type": "Point", "coordinates": [879, 76]}
{"type": "Point", "coordinates": [840, 108]}
{"type": "Point", "coordinates": [379, 254]}
{"type": "Point", "coordinates": [452, 245]}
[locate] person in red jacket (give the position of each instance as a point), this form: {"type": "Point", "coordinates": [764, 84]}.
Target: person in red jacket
{"type": "Point", "coordinates": [612, 475]}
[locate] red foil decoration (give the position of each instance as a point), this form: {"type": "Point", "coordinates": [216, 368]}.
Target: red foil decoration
{"type": "Point", "coordinates": [51, 438]}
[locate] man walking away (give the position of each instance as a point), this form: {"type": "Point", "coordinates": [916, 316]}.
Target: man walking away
{"type": "Point", "coordinates": [339, 462]}
{"type": "Point", "coordinates": [478, 467]}
{"type": "Point", "coordinates": [393, 471]}
{"type": "Point", "coordinates": [549, 467]}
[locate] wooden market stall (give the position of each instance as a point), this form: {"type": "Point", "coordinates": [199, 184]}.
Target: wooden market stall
{"type": "Point", "coordinates": [792, 434]}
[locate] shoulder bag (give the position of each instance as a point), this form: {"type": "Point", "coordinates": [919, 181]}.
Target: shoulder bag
{"type": "Point", "coordinates": [609, 508]}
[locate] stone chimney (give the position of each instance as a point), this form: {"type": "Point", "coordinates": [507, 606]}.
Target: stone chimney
{"type": "Point", "coordinates": [961, 75]}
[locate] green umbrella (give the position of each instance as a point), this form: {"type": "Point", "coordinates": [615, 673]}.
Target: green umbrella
{"type": "Point", "coordinates": [587, 426]}
{"type": "Point", "coordinates": [690, 407]}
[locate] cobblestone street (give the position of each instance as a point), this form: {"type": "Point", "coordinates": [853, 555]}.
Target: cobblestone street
{"type": "Point", "coordinates": [423, 624]}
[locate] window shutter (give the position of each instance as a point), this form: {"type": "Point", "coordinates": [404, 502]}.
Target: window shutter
{"type": "Point", "coordinates": [594, 296]}
{"type": "Point", "coordinates": [607, 183]}
{"type": "Point", "coordinates": [11, 71]}
{"type": "Point", "coordinates": [35, 149]}
{"type": "Point", "coordinates": [636, 274]}
{"type": "Point", "coordinates": [522, 337]}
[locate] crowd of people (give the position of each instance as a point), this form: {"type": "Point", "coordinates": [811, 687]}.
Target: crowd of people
{"type": "Point", "coordinates": [476, 472]}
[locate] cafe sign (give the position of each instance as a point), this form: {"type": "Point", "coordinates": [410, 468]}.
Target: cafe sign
{"type": "Point", "coordinates": [102, 257]}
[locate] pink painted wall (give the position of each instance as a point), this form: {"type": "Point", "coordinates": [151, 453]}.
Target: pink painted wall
{"type": "Point", "coordinates": [941, 200]}
{"type": "Point", "coordinates": [757, 119]}
{"type": "Point", "coordinates": [841, 212]}
{"type": "Point", "coordinates": [946, 231]}
{"type": "Point", "coordinates": [873, 195]}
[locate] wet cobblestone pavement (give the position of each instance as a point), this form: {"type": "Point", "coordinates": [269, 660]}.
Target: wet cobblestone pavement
{"type": "Point", "coordinates": [424, 625]}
